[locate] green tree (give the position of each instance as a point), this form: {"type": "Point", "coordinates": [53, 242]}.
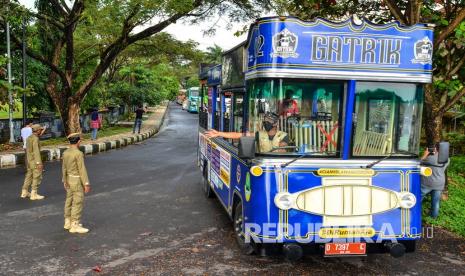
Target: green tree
{"type": "Point", "coordinates": [138, 84]}
{"type": "Point", "coordinates": [182, 58]}
{"type": "Point", "coordinates": [6, 87]}
{"type": "Point", "coordinates": [81, 39]}
{"type": "Point", "coordinates": [448, 87]}
{"type": "Point", "coordinates": [213, 54]}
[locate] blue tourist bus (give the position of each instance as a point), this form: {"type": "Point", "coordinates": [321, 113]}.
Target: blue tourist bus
{"type": "Point", "coordinates": [347, 102]}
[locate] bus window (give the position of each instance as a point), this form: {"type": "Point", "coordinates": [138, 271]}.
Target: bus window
{"type": "Point", "coordinates": [387, 119]}
{"type": "Point", "coordinates": [217, 113]}
{"type": "Point", "coordinates": [238, 110]}
{"type": "Point", "coordinates": [226, 98]}
{"type": "Point", "coordinates": [203, 109]}
{"type": "Point", "coordinates": [309, 112]}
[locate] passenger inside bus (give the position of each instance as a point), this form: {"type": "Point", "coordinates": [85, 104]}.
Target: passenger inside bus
{"type": "Point", "coordinates": [289, 106]}
{"type": "Point", "coordinates": [309, 112]}
{"type": "Point", "coordinates": [270, 139]}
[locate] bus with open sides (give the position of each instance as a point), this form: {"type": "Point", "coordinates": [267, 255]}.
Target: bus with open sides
{"type": "Point", "coordinates": [349, 99]}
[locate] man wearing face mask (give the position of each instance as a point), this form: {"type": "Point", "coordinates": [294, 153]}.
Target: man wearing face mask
{"type": "Point", "coordinates": [267, 139]}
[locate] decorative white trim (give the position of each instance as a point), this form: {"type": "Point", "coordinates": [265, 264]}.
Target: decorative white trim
{"type": "Point", "coordinates": [338, 163]}
{"type": "Point", "coordinates": [337, 75]}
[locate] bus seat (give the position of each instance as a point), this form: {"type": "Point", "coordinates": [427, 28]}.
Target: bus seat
{"type": "Point", "coordinates": [287, 124]}
{"type": "Point", "coordinates": [310, 133]}
{"type": "Point", "coordinates": [370, 143]}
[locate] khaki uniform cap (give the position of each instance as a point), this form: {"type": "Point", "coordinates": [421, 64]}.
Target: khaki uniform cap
{"type": "Point", "coordinates": [36, 127]}
{"type": "Point", "coordinates": [72, 135]}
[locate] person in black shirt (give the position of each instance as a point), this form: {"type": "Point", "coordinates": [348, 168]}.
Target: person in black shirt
{"type": "Point", "coordinates": [138, 122]}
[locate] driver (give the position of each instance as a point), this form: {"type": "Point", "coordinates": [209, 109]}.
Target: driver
{"type": "Point", "coordinates": [266, 139]}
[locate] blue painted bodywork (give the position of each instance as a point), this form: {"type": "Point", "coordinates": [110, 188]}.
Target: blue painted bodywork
{"type": "Point", "coordinates": [299, 226]}
{"type": "Point", "coordinates": [235, 183]}
{"type": "Point", "coordinates": [194, 103]}
{"type": "Point", "coordinates": [214, 75]}
{"type": "Point", "coordinates": [342, 50]}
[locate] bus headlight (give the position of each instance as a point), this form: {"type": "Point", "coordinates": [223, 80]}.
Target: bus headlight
{"type": "Point", "coordinates": [426, 171]}
{"type": "Point", "coordinates": [284, 201]}
{"type": "Point", "coordinates": [407, 200]}
{"type": "Point", "coordinates": [256, 171]}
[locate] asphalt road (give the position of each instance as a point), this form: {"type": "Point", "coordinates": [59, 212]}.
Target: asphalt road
{"type": "Point", "coordinates": [148, 216]}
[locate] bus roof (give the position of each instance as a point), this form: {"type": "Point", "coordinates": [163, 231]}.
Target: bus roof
{"type": "Point", "coordinates": [288, 47]}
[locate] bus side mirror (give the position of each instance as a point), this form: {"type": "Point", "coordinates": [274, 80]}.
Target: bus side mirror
{"type": "Point", "coordinates": [443, 155]}
{"type": "Point", "coordinates": [246, 147]}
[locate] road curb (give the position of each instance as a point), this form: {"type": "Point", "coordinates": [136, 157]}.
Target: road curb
{"type": "Point", "coordinates": [52, 154]}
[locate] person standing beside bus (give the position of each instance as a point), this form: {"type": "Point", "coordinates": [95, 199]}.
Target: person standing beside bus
{"type": "Point", "coordinates": [435, 183]}
{"type": "Point", "coordinates": [138, 121]}
{"type": "Point", "coordinates": [266, 140]}
{"type": "Point", "coordinates": [34, 164]}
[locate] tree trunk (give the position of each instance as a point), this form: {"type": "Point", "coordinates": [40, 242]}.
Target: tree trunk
{"type": "Point", "coordinates": [433, 125]}
{"type": "Point", "coordinates": [432, 115]}
{"type": "Point", "coordinates": [73, 125]}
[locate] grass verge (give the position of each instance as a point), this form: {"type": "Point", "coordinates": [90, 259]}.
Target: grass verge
{"type": "Point", "coordinates": [452, 211]}
{"type": "Point", "coordinates": [108, 131]}
{"type": "Point", "coordinates": [17, 113]}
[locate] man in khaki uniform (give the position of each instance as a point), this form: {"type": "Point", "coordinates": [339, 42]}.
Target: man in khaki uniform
{"type": "Point", "coordinates": [76, 183]}
{"type": "Point", "coordinates": [34, 164]}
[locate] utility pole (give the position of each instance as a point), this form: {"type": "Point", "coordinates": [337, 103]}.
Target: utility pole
{"type": "Point", "coordinates": [10, 94]}
{"type": "Point", "coordinates": [24, 72]}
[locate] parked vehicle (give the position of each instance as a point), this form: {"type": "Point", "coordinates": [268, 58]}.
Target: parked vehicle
{"type": "Point", "coordinates": [193, 99]}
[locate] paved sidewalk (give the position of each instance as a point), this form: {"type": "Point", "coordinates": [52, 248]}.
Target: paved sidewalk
{"type": "Point", "coordinates": [50, 153]}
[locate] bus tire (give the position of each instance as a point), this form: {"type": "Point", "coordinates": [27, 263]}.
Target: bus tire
{"type": "Point", "coordinates": [246, 247]}
{"type": "Point", "coordinates": [410, 245]}
{"type": "Point", "coordinates": [207, 189]}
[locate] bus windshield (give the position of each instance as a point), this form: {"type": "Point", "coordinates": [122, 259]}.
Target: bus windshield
{"type": "Point", "coordinates": [193, 92]}
{"type": "Point", "coordinates": [388, 119]}
{"type": "Point", "coordinates": [309, 114]}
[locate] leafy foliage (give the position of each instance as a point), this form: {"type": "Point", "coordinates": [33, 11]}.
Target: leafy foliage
{"type": "Point", "coordinates": [80, 40]}
{"type": "Point", "coordinates": [137, 85]}
{"type": "Point", "coordinates": [457, 142]}
{"type": "Point", "coordinates": [213, 54]}
{"type": "Point", "coordinates": [5, 87]}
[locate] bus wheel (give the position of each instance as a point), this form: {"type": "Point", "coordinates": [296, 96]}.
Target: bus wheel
{"type": "Point", "coordinates": [246, 247]}
{"type": "Point", "coordinates": [410, 245]}
{"type": "Point", "coordinates": [207, 189]}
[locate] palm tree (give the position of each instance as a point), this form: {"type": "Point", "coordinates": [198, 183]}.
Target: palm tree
{"type": "Point", "coordinates": [213, 54]}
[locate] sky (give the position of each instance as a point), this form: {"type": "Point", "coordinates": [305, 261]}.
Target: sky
{"type": "Point", "coordinates": [183, 31]}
